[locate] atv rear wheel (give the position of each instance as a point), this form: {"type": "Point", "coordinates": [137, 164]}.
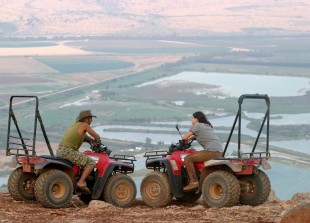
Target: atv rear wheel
{"type": "Point", "coordinates": [255, 188]}
{"type": "Point", "coordinates": [21, 185]}
{"type": "Point", "coordinates": [220, 189]}
{"type": "Point", "coordinates": [156, 189]}
{"type": "Point", "coordinates": [120, 190]}
{"type": "Point", "coordinates": [54, 189]}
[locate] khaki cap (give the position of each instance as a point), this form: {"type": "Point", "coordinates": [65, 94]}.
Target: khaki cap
{"type": "Point", "coordinates": [84, 114]}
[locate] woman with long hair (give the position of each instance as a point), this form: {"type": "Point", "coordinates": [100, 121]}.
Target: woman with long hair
{"type": "Point", "coordinates": [202, 130]}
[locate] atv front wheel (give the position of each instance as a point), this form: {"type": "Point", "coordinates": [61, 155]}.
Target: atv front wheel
{"type": "Point", "coordinates": [255, 188]}
{"type": "Point", "coordinates": [54, 189]}
{"type": "Point", "coordinates": [21, 185]}
{"type": "Point", "coordinates": [156, 189]}
{"type": "Point", "coordinates": [220, 189]}
{"type": "Point", "coordinates": [120, 190]}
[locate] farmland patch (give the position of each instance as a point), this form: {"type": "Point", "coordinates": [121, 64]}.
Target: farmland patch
{"type": "Point", "coordinates": [17, 44]}
{"type": "Point", "coordinates": [23, 65]}
{"type": "Point", "coordinates": [83, 64]}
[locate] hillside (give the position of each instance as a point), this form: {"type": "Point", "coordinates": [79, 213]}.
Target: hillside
{"type": "Point", "coordinates": [273, 211]}
{"type": "Point", "coordinates": [137, 18]}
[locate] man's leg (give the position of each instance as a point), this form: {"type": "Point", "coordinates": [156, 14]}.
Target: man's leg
{"type": "Point", "coordinates": [84, 175]}
{"type": "Point", "coordinates": [81, 160]}
{"type": "Point", "coordinates": [88, 164]}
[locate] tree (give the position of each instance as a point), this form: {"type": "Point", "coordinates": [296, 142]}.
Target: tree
{"type": "Point", "coordinates": [148, 141]}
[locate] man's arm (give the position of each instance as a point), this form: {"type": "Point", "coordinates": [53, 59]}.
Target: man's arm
{"type": "Point", "coordinates": [88, 139]}
{"type": "Point", "coordinates": [84, 127]}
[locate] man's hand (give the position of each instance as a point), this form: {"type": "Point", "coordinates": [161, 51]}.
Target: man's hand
{"type": "Point", "coordinates": [96, 142]}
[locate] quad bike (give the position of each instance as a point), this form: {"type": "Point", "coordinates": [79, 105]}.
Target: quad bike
{"type": "Point", "coordinates": [52, 180]}
{"type": "Point", "coordinates": [223, 181]}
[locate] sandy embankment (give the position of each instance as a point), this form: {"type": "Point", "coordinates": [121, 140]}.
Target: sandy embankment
{"type": "Point", "coordinates": [58, 50]}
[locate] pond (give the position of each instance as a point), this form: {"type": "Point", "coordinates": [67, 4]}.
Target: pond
{"type": "Point", "coordinates": [284, 119]}
{"type": "Point", "coordinates": [286, 180]}
{"type": "Point", "coordinates": [250, 84]}
{"type": "Point", "coordinates": [300, 145]}
{"type": "Point", "coordinates": [3, 180]}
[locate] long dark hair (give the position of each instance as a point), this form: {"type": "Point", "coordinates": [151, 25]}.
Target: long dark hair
{"type": "Point", "coordinates": [202, 118]}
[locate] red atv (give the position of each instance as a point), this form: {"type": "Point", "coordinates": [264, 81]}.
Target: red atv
{"type": "Point", "coordinates": [223, 181]}
{"type": "Point", "coordinates": [52, 180]}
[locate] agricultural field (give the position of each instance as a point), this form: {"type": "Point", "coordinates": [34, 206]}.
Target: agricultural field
{"type": "Point", "coordinates": [108, 78]}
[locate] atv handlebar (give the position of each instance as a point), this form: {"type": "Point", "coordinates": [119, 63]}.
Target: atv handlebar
{"type": "Point", "coordinates": [100, 148]}
{"type": "Point", "coordinates": [180, 146]}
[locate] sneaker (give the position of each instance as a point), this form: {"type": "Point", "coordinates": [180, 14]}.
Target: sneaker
{"type": "Point", "coordinates": [191, 186]}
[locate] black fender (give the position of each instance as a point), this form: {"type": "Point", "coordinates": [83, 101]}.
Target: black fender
{"type": "Point", "coordinates": [101, 181]}
{"type": "Point", "coordinates": [53, 160]}
{"type": "Point", "coordinates": [175, 180]}
{"type": "Point", "coordinates": [50, 162]}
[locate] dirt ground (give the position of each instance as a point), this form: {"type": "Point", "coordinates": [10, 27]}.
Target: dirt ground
{"type": "Point", "coordinates": [98, 211]}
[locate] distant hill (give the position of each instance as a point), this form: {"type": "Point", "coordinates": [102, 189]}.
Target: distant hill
{"type": "Point", "coordinates": [152, 18]}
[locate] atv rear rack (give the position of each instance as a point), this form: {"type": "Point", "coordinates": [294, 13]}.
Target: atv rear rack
{"type": "Point", "coordinates": [259, 155]}
{"type": "Point", "coordinates": [264, 121]}
{"type": "Point", "coordinates": [18, 145]}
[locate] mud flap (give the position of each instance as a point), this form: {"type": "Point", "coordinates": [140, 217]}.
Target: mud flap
{"type": "Point", "coordinates": [175, 180]}
{"type": "Point", "coordinates": [100, 183]}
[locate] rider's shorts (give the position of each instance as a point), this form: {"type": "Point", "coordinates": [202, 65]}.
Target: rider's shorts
{"type": "Point", "coordinates": [76, 157]}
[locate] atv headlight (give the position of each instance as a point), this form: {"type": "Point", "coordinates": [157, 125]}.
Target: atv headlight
{"type": "Point", "coordinates": [183, 156]}
{"type": "Point", "coordinates": [95, 158]}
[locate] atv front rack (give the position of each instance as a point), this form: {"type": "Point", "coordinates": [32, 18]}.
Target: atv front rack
{"type": "Point", "coordinates": [156, 154]}
{"type": "Point", "coordinates": [127, 160]}
{"type": "Point", "coordinates": [152, 156]}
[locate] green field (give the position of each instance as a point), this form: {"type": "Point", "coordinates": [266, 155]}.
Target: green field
{"type": "Point", "coordinates": [147, 47]}
{"type": "Point", "coordinates": [83, 64]}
